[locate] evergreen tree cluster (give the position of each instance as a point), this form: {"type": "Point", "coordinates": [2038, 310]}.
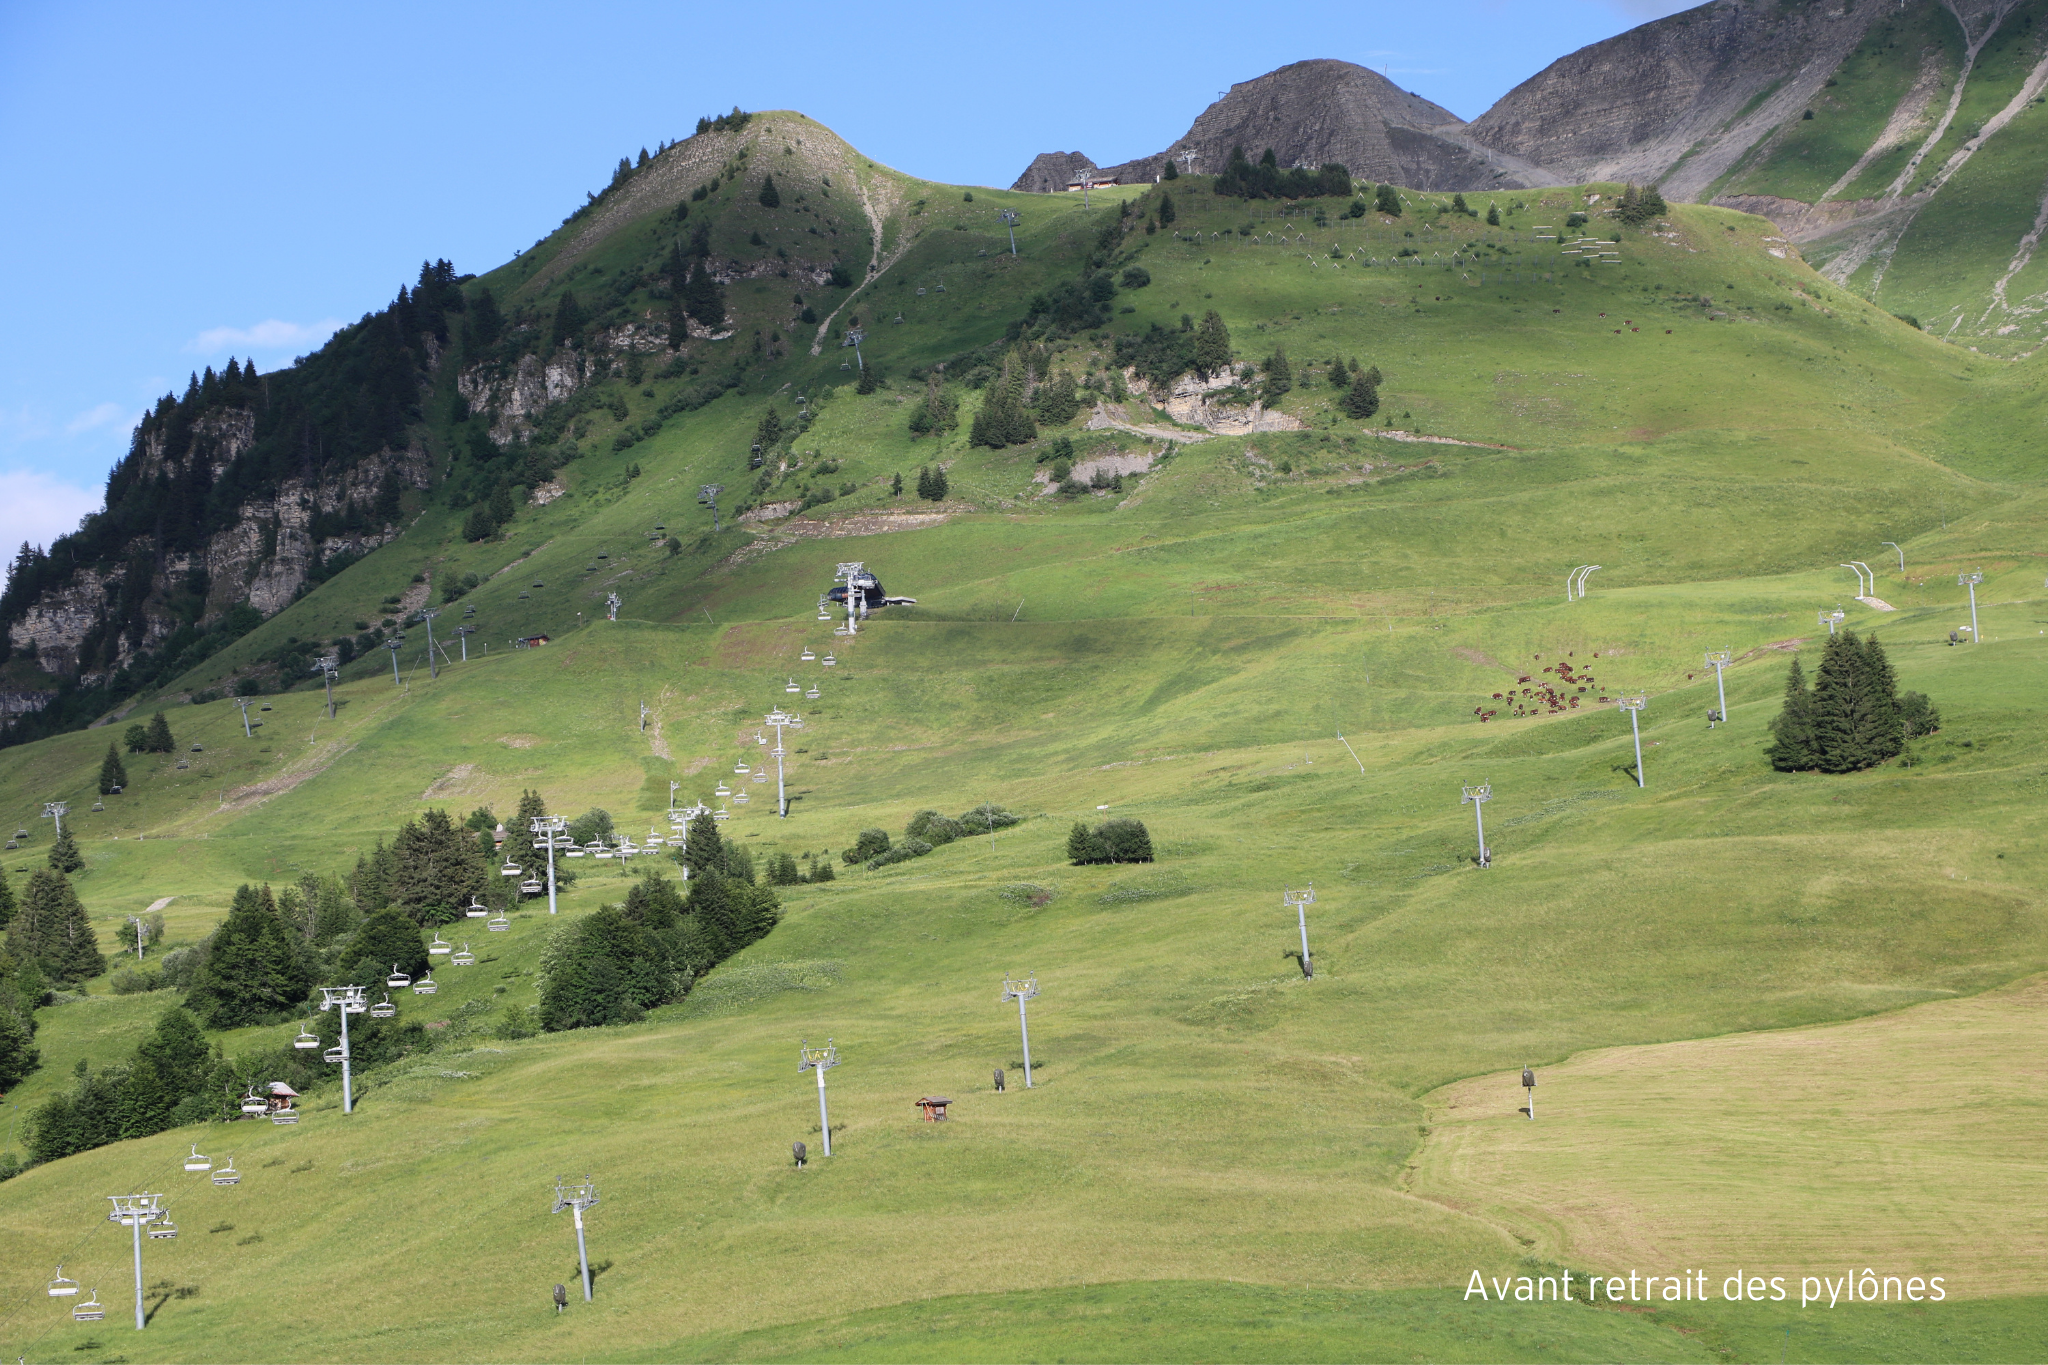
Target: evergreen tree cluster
{"type": "Point", "coordinates": [153, 738]}
{"type": "Point", "coordinates": [1277, 378]}
{"type": "Point", "coordinates": [931, 483]}
{"type": "Point", "coordinates": [623, 960]}
{"type": "Point", "coordinates": [1852, 717]}
{"type": "Point", "coordinates": [1387, 200]}
{"type": "Point", "coordinates": [1112, 841]}
{"type": "Point", "coordinates": [1004, 418]}
{"type": "Point", "coordinates": [1362, 394]}
{"type": "Point", "coordinates": [254, 970]}
{"type": "Point", "coordinates": [1244, 179]}
{"type": "Point", "coordinates": [1638, 206]}
{"type": "Point", "coordinates": [938, 412]}
{"type": "Point", "coordinates": [23, 989]}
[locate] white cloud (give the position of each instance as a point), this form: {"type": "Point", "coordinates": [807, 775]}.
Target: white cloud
{"type": "Point", "coordinates": [37, 508]}
{"type": "Point", "coordinates": [268, 335]}
{"type": "Point", "coordinates": [106, 414]}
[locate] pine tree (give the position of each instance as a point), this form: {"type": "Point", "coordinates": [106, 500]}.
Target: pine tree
{"type": "Point", "coordinates": [51, 930]}
{"type": "Point", "coordinates": [1362, 399]}
{"type": "Point", "coordinates": [1793, 746]}
{"type": "Point", "coordinates": [1493, 215]}
{"type": "Point", "coordinates": [18, 1053]}
{"type": "Point", "coordinates": [1171, 171]}
{"type": "Point", "coordinates": [113, 776]}
{"type": "Point", "coordinates": [896, 485]}
{"type": "Point", "coordinates": [1386, 199]}
{"type": "Point", "coordinates": [159, 735]}
{"type": "Point", "coordinates": [770, 197]}
{"type": "Point", "coordinates": [703, 846]}
{"type": "Point", "coordinates": [1840, 706]}
{"type": "Point", "coordinates": [1081, 846]}
{"type": "Point", "coordinates": [8, 905]}
{"type": "Point", "coordinates": [170, 1066]}
{"type": "Point", "coordinates": [1212, 344]}
{"type": "Point", "coordinates": [710, 905]}
{"type": "Point", "coordinates": [253, 969]}
{"type": "Point", "coordinates": [1340, 378]}
{"type": "Point", "coordinates": [64, 854]}
{"type": "Point", "coordinates": [1167, 213]}
{"type": "Point", "coordinates": [869, 382]}
{"type": "Point", "coordinates": [924, 481]}
{"type": "Point", "coordinates": [1883, 723]}
{"type": "Point", "coordinates": [437, 869]}
{"type": "Point", "coordinates": [1279, 377]}
{"type": "Point", "coordinates": [568, 319]}
{"type": "Point", "coordinates": [702, 297]}
{"type": "Point", "coordinates": [939, 486]}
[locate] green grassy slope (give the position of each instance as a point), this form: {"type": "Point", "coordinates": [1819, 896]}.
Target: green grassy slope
{"type": "Point", "coordinates": [1212, 1162]}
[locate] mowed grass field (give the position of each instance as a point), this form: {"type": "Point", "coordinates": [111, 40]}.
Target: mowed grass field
{"type": "Point", "coordinates": [1220, 1159]}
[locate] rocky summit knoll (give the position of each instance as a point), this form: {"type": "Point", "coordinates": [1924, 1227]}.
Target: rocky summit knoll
{"type": "Point", "coordinates": [1310, 114]}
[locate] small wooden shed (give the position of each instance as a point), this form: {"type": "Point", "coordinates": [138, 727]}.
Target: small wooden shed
{"type": "Point", "coordinates": [934, 1107]}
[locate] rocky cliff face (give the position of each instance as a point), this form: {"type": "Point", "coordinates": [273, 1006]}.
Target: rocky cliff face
{"type": "Point", "coordinates": [1315, 112]}
{"type": "Point", "coordinates": [1051, 172]}
{"type": "Point", "coordinates": [261, 559]}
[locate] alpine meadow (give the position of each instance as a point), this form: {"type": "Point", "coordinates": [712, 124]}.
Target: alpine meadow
{"type": "Point", "coordinates": [1480, 721]}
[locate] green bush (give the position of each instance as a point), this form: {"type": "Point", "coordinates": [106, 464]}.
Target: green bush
{"type": "Point", "coordinates": [868, 844]}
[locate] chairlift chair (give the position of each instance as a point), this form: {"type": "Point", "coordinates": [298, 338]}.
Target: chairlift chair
{"type": "Point", "coordinates": [282, 1116]}
{"type": "Point", "coordinates": [465, 958]}
{"type": "Point", "coordinates": [61, 1287]}
{"type": "Point", "coordinates": [510, 869]}
{"type": "Point", "coordinates": [740, 798]}
{"type": "Point", "coordinates": [721, 815]}
{"type": "Point", "coordinates": [383, 1009]}
{"type": "Point", "coordinates": [531, 888]}
{"type": "Point", "coordinates": [264, 707]}
{"type": "Point", "coordinates": [425, 985]}
{"type": "Point", "coordinates": [21, 834]}
{"type": "Point", "coordinates": [99, 805]}
{"type": "Point", "coordinates": [438, 947]}
{"type": "Point", "coordinates": [476, 909]}
{"type": "Point", "coordinates": [830, 662]}
{"type": "Point", "coordinates": [793, 686]}
{"type": "Point", "coordinates": [604, 853]}
{"type": "Point", "coordinates": [807, 656]}
{"type": "Point", "coordinates": [334, 1055]}
{"type": "Point", "coordinates": [251, 1104]}
{"type": "Point", "coordinates": [721, 789]}
{"type": "Point", "coordinates": [397, 980]}
{"type": "Point", "coordinates": [227, 1175]}
{"type": "Point", "coordinates": [12, 845]}
{"type": "Point", "coordinates": [574, 852]}
{"type": "Point", "coordinates": [306, 1040]}
{"type": "Point", "coordinates": [594, 846]}
{"type": "Point", "coordinates": [90, 1310]}
{"type": "Point", "coordinates": [162, 1231]}
{"type": "Point", "coordinates": [183, 764]}
{"type": "Point", "coordinates": [498, 923]}
{"type": "Point", "coordinates": [197, 1161]}
{"type": "Point", "coordinates": [813, 694]}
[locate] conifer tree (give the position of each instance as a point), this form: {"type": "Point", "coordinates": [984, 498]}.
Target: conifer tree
{"type": "Point", "coordinates": [1386, 199]}
{"type": "Point", "coordinates": [1493, 215]}
{"type": "Point", "coordinates": [703, 846]}
{"type": "Point", "coordinates": [770, 197]}
{"type": "Point", "coordinates": [437, 869]}
{"type": "Point", "coordinates": [64, 854]}
{"type": "Point", "coordinates": [171, 1065]}
{"type": "Point", "coordinates": [1082, 847]}
{"type": "Point", "coordinates": [1340, 378]}
{"type": "Point", "coordinates": [568, 319]}
{"type": "Point", "coordinates": [1362, 399]}
{"type": "Point", "coordinates": [1212, 344]}
{"type": "Point", "coordinates": [113, 776]}
{"type": "Point", "coordinates": [924, 481]}
{"type": "Point", "coordinates": [869, 381]}
{"type": "Point", "coordinates": [52, 931]}
{"type": "Point", "coordinates": [8, 905]}
{"type": "Point", "coordinates": [896, 485]}
{"type": "Point", "coordinates": [1793, 745]}
{"type": "Point", "coordinates": [1167, 213]}
{"type": "Point", "coordinates": [939, 487]}
{"type": "Point", "coordinates": [252, 968]}
{"type": "Point", "coordinates": [1279, 377]}
{"type": "Point", "coordinates": [18, 1053]}
{"type": "Point", "coordinates": [702, 297]}
{"type": "Point", "coordinates": [1171, 171]}
{"type": "Point", "coordinates": [159, 735]}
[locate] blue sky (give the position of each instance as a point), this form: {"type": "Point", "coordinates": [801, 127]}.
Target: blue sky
{"type": "Point", "coordinates": [191, 182]}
